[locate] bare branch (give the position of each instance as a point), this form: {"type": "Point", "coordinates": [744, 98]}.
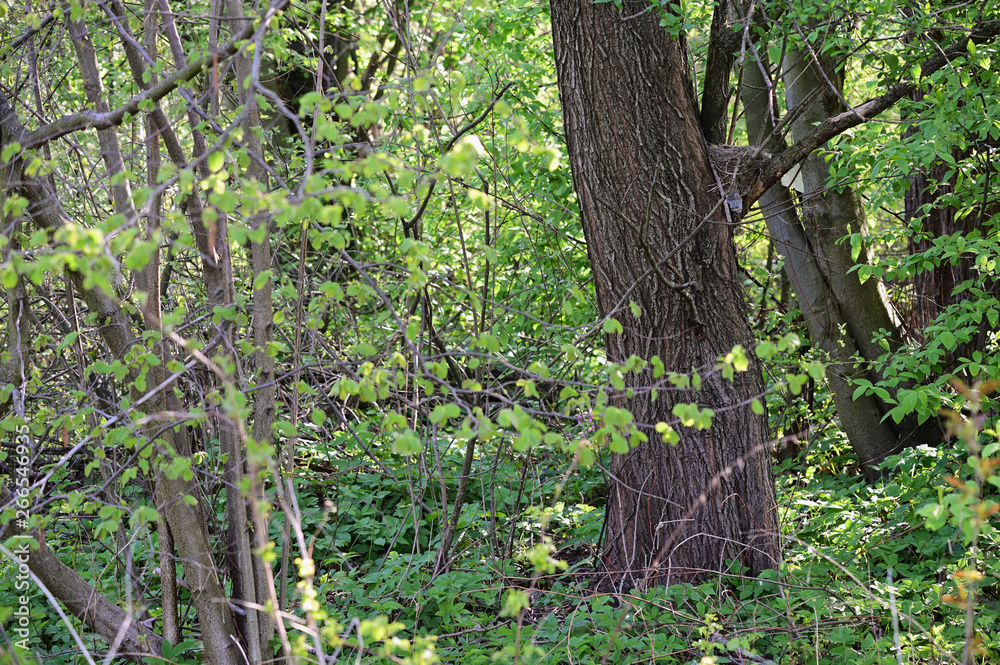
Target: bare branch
{"type": "Point", "coordinates": [90, 118]}
{"type": "Point", "coordinates": [783, 162]}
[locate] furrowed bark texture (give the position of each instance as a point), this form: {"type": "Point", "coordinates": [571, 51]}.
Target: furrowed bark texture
{"type": "Point", "coordinates": [642, 176]}
{"type": "Point", "coordinates": [934, 289]}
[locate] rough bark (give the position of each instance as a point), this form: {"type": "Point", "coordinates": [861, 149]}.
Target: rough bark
{"type": "Point", "coordinates": [656, 236]}
{"type": "Point", "coordinates": [722, 46]}
{"type": "Point", "coordinates": [934, 289]}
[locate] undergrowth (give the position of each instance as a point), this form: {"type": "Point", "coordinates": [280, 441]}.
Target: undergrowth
{"type": "Point", "coordinates": [891, 572]}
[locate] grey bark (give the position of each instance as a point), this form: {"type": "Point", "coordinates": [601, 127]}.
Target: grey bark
{"type": "Point", "coordinates": [861, 419]}
{"type": "Point", "coordinates": [111, 151]}
{"type": "Point", "coordinates": [257, 579]}
{"type": "Point", "coordinates": [151, 311]}
{"type": "Point", "coordinates": [121, 196]}
{"type": "Point", "coordinates": [780, 164]}
{"type": "Point", "coordinates": [829, 215]}
{"type": "Point", "coordinates": [185, 521]}
{"type": "Point", "coordinates": [656, 236]}
{"type": "Point", "coordinates": [106, 619]}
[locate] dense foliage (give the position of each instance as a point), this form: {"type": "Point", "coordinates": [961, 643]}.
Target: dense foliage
{"type": "Point", "coordinates": [429, 483]}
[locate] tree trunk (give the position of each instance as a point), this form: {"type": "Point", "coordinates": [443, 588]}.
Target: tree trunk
{"type": "Point", "coordinates": [722, 46]}
{"type": "Point", "coordinates": [657, 236]}
{"type": "Point", "coordinates": [934, 289]}
{"type": "Point", "coordinates": [870, 436]}
{"type": "Point", "coordinates": [251, 571]}
{"type": "Point", "coordinates": [828, 217]}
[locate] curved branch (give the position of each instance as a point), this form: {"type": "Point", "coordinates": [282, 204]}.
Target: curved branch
{"type": "Point", "coordinates": [783, 162]}
{"type": "Point", "coordinates": [90, 118]}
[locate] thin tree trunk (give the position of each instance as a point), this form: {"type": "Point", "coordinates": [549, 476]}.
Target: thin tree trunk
{"type": "Point", "coordinates": [871, 437]}
{"type": "Point", "coordinates": [105, 618]}
{"type": "Point", "coordinates": [121, 195]}
{"type": "Point", "coordinates": [722, 46]}
{"type": "Point", "coordinates": [149, 284]}
{"type": "Point", "coordinates": [656, 236]}
{"type": "Point", "coordinates": [828, 217]}
{"type": "Point", "coordinates": [260, 626]}
{"type": "Point", "coordinates": [186, 523]}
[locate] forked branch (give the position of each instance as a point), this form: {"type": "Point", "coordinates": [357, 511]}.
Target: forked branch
{"type": "Point", "coordinates": [783, 162]}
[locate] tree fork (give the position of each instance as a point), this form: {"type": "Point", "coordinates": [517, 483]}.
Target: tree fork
{"type": "Point", "coordinates": [637, 152]}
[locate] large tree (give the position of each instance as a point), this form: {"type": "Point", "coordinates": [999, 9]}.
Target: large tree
{"type": "Point", "coordinates": [658, 236]}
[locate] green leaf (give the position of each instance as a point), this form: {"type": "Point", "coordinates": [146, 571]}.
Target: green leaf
{"type": "Point", "coordinates": [216, 160]}
{"type": "Point", "coordinates": [611, 326]}
{"type": "Point", "coordinates": [364, 349]}
{"type": "Point", "coordinates": [618, 444]}
{"type": "Point", "coordinates": [669, 434]}
{"type": "Point", "coordinates": [407, 443]}
{"type": "Point", "coordinates": [143, 515]}
{"type": "Point", "coordinates": [908, 400]}
{"type": "Point", "coordinates": [261, 279]}
{"type": "Point", "coordinates": [9, 151]}
{"type": "Point", "coordinates": [438, 414]}
{"type": "Point", "coordinates": [935, 514]}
